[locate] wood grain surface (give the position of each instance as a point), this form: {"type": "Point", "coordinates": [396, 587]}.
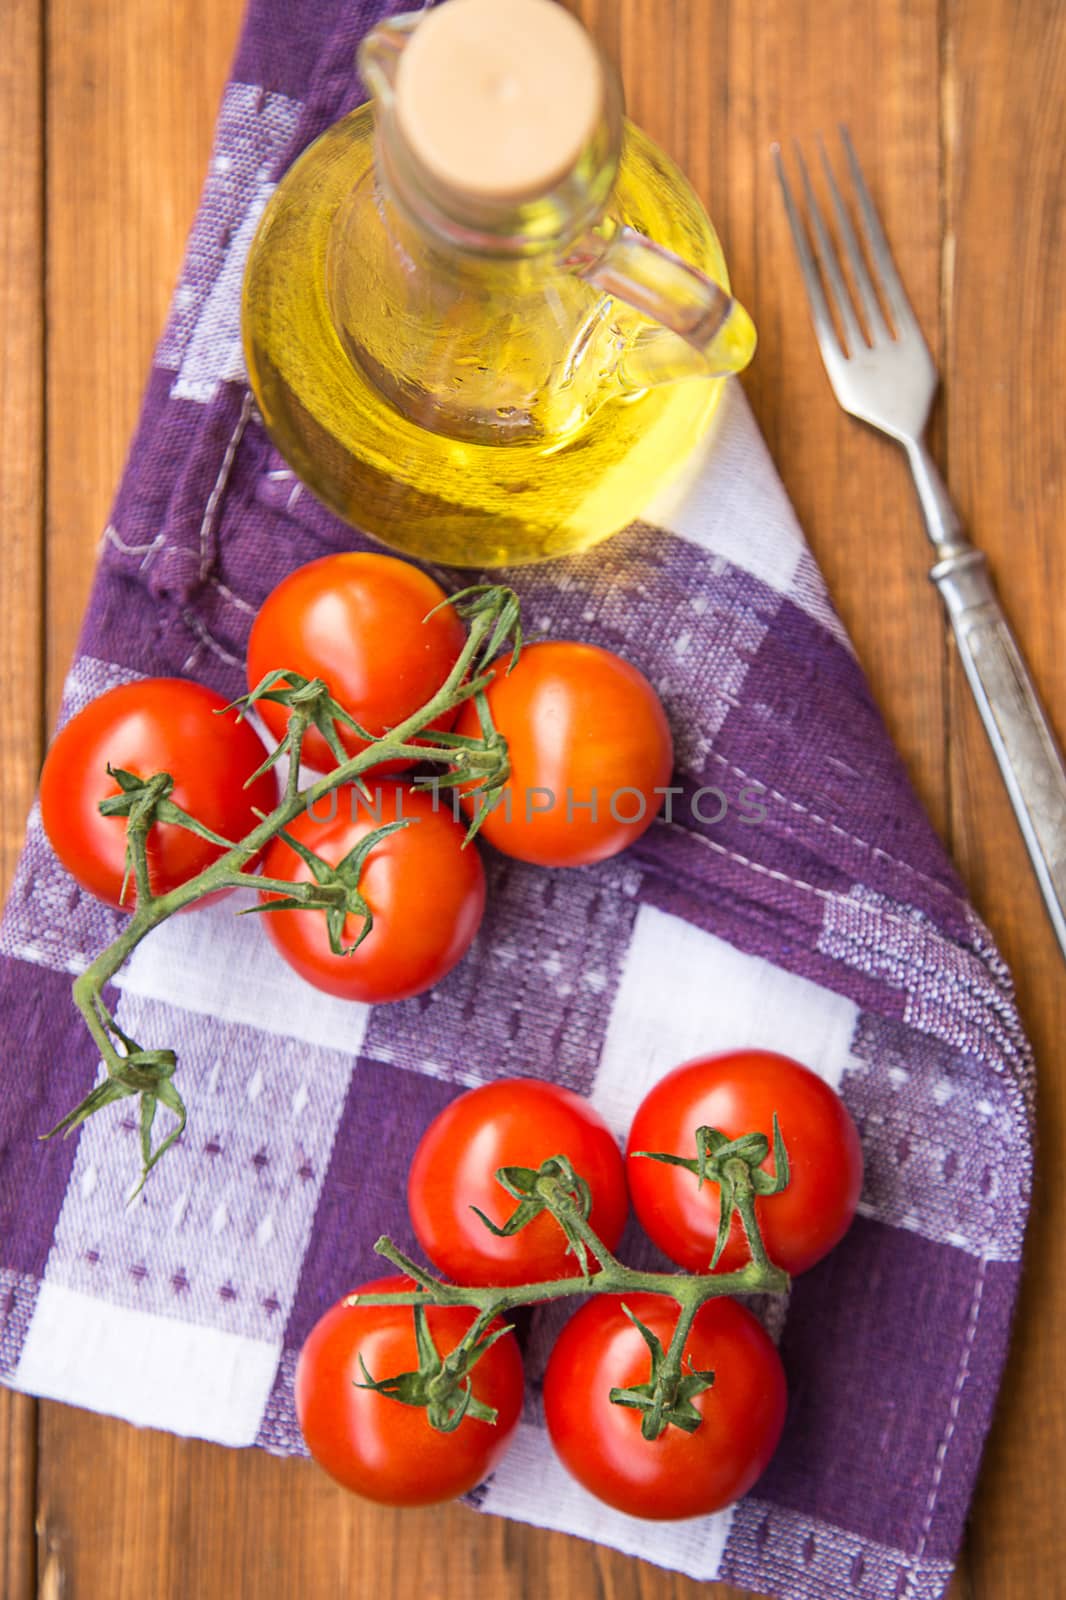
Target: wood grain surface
{"type": "Point", "coordinates": [21, 591]}
{"type": "Point", "coordinates": [958, 108]}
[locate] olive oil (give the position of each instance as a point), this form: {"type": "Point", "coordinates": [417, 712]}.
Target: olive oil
{"type": "Point", "coordinates": [469, 397]}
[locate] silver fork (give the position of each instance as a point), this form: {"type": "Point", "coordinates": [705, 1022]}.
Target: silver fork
{"type": "Point", "coordinates": [888, 380]}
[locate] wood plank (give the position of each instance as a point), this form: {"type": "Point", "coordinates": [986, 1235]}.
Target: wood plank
{"type": "Point", "coordinates": [21, 422]}
{"type": "Point", "coordinates": [22, 430]}
{"type": "Point", "coordinates": [1006, 215]}
{"type": "Point", "coordinates": [18, 1483]}
{"type": "Point", "coordinates": [133, 92]}
{"type": "Point", "coordinates": [849, 486]}
{"type": "Point", "coordinates": [218, 1522]}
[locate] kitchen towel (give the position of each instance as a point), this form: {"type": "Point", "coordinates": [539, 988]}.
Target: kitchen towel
{"type": "Point", "coordinates": [807, 907]}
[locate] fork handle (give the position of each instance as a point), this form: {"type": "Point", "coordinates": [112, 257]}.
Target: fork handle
{"type": "Point", "coordinates": [1029, 757]}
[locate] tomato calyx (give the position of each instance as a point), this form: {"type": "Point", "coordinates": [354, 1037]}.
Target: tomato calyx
{"type": "Point", "coordinates": [554, 1187]}
{"type": "Point", "coordinates": [144, 802]}
{"type": "Point", "coordinates": [335, 890]}
{"type": "Point", "coordinates": [735, 1165]}
{"type": "Point", "coordinates": [441, 1385]}
{"type": "Point", "coordinates": [484, 764]}
{"type": "Point", "coordinates": [666, 1400]}
{"type": "Point", "coordinates": [500, 608]}
{"type": "Point", "coordinates": [146, 1073]}
{"type": "Point", "coordinates": [310, 705]}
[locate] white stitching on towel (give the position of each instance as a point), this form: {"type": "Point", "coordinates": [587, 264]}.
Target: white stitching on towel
{"type": "Point", "coordinates": [234, 599]}
{"type": "Point", "coordinates": [211, 508]}
{"type": "Point", "coordinates": [193, 622]}
{"type": "Point", "coordinates": [831, 896]}
{"type": "Point", "coordinates": [111, 535]}
{"type": "Point", "coordinates": [804, 811]}
{"type": "Point", "coordinates": [283, 475]}
{"type": "Point", "coordinates": [953, 1417]}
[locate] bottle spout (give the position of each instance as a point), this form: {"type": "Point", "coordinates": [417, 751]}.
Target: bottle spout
{"type": "Point", "coordinates": [379, 55]}
{"type": "Point", "coordinates": [698, 330]}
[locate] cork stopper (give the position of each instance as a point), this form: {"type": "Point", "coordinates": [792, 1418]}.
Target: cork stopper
{"type": "Point", "coordinates": [496, 99]}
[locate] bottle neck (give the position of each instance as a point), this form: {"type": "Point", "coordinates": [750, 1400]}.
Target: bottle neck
{"type": "Point", "coordinates": [542, 224]}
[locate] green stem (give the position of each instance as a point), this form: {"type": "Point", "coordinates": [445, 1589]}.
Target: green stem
{"type": "Point", "coordinates": [251, 880]}
{"type": "Point", "coordinates": [691, 1291]}
{"type": "Point", "coordinates": [690, 1305]}
{"type": "Point", "coordinates": [137, 837]}
{"type": "Point", "coordinates": [297, 729]}
{"type": "Point", "coordinates": [89, 987]}
{"type": "Point", "coordinates": [688, 1290]}
{"type": "Point", "coordinates": [389, 748]}
{"type": "Point", "coordinates": [581, 1226]}
{"type": "Point", "coordinates": [411, 1269]}
{"type": "Point", "coordinates": [744, 1200]}
{"type": "Point", "coordinates": [459, 1359]}
{"type": "Point", "coordinates": [91, 1005]}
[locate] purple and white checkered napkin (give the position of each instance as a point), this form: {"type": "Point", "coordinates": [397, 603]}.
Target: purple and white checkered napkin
{"type": "Point", "coordinates": [833, 929]}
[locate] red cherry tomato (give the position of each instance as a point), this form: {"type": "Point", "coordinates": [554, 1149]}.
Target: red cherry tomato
{"type": "Point", "coordinates": [589, 745]}
{"type": "Point", "coordinates": [377, 1446]}
{"type": "Point", "coordinates": [426, 892]}
{"type": "Point", "coordinates": [739, 1094]}
{"type": "Point", "coordinates": [154, 725]}
{"type": "Point", "coordinates": [679, 1474]}
{"type": "Point", "coordinates": [513, 1122]}
{"type": "Point", "coordinates": [358, 622]}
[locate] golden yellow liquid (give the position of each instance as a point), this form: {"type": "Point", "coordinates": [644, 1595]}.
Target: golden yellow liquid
{"type": "Point", "coordinates": [583, 466]}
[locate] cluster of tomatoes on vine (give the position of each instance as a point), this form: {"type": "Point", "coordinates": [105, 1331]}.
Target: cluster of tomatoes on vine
{"type": "Point", "coordinates": [581, 726]}
{"type": "Point", "coordinates": [663, 1396]}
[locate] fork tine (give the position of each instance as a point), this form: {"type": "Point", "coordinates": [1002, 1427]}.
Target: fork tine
{"type": "Point", "coordinates": [875, 320]}
{"type": "Point", "coordinates": [823, 322]}
{"type": "Point", "coordinates": [827, 257]}
{"type": "Point", "coordinates": [891, 283]}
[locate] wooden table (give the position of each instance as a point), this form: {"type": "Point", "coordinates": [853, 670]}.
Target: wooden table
{"type": "Point", "coordinates": [959, 111]}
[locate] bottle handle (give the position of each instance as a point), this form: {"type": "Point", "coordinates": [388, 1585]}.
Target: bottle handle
{"type": "Point", "coordinates": [701, 331]}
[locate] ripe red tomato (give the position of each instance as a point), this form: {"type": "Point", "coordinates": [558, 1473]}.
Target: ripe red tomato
{"type": "Point", "coordinates": [589, 744]}
{"type": "Point", "coordinates": [357, 621]}
{"type": "Point", "coordinates": [154, 725]}
{"type": "Point", "coordinates": [738, 1094]}
{"type": "Point", "coordinates": [426, 892]}
{"type": "Point", "coordinates": [513, 1122]}
{"type": "Point", "coordinates": [679, 1474]}
{"type": "Point", "coordinates": [377, 1446]}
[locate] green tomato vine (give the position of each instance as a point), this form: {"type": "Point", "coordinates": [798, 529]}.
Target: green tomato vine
{"type": "Point", "coordinates": [442, 1384]}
